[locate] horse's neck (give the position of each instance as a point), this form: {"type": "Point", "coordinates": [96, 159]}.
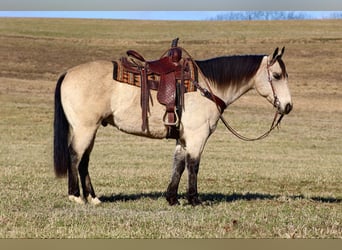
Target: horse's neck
{"type": "Point", "coordinates": [232, 93]}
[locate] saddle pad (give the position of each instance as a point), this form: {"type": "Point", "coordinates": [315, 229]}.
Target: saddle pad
{"type": "Point", "coordinates": [126, 72]}
{"type": "Point", "coordinates": [121, 74]}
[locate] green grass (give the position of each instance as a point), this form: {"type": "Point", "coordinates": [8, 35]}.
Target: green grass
{"type": "Point", "coordinates": [287, 186]}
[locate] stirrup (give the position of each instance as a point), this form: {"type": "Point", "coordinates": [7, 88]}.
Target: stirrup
{"type": "Point", "coordinates": [167, 123]}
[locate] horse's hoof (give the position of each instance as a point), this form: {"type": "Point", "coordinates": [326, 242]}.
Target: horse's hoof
{"type": "Point", "coordinates": [93, 200]}
{"type": "Point", "coordinates": [194, 201]}
{"type": "Point", "coordinates": [172, 201]}
{"type": "Point", "coordinates": [77, 199]}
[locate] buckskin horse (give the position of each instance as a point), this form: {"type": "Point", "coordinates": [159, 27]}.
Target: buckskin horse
{"type": "Point", "coordinates": [87, 96]}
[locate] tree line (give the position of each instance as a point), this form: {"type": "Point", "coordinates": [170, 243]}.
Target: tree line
{"type": "Point", "coordinates": [276, 15]}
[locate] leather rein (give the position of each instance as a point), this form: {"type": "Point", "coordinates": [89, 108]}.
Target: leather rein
{"type": "Point", "coordinates": [221, 105]}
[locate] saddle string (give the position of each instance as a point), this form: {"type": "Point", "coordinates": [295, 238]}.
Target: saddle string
{"type": "Point", "coordinates": [209, 94]}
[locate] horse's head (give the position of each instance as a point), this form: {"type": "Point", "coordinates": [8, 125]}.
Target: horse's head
{"type": "Point", "coordinates": [271, 82]}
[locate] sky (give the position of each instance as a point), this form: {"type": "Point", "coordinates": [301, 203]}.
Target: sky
{"type": "Point", "coordinates": [147, 15]}
{"type": "Point", "coordinates": [139, 15]}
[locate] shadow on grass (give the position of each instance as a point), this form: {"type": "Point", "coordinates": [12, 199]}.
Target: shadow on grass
{"type": "Point", "coordinates": [219, 197]}
{"type": "Point", "coordinates": [131, 197]}
{"type": "Point", "coordinates": [213, 198]}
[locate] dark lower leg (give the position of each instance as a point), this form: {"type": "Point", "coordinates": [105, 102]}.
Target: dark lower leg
{"type": "Point", "coordinates": [73, 186]}
{"type": "Point", "coordinates": [85, 178]}
{"type": "Point", "coordinates": [178, 169]}
{"type": "Point", "coordinates": [193, 167]}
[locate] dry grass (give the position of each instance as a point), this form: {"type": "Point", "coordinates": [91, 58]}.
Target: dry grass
{"type": "Point", "coordinates": [288, 186]}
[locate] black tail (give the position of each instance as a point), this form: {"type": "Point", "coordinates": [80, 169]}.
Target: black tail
{"type": "Point", "coordinates": [61, 131]}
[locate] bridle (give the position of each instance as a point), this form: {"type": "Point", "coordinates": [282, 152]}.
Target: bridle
{"type": "Point", "coordinates": [276, 102]}
{"type": "Point", "coordinates": [221, 106]}
{"type": "Point", "coordinates": [275, 122]}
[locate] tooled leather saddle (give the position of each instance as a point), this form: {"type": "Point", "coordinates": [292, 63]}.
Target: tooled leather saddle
{"type": "Point", "coordinates": [171, 76]}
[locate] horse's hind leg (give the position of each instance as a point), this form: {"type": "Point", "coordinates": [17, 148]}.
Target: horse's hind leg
{"type": "Point", "coordinates": [177, 171]}
{"type": "Point", "coordinates": [80, 149]}
{"type": "Point", "coordinates": [73, 186]}
{"type": "Point", "coordinates": [88, 190]}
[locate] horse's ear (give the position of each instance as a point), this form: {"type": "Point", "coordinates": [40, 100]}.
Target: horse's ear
{"type": "Point", "coordinates": [275, 53]}
{"type": "Point", "coordinates": [274, 57]}
{"type": "Point", "coordinates": [282, 52]}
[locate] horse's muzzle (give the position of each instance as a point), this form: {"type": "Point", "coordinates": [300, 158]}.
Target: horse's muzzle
{"type": "Point", "coordinates": [287, 109]}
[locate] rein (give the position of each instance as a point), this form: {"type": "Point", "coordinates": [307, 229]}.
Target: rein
{"type": "Point", "coordinates": [244, 138]}
{"type": "Point", "coordinates": [221, 105]}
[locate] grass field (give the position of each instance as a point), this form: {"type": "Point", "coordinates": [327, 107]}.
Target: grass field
{"type": "Point", "coordinates": [287, 186]}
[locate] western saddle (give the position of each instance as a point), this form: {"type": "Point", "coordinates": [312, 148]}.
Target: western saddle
{"type": "Point", "coordinates": [171, 76]}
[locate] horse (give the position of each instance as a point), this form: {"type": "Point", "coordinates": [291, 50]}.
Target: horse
{"type": "Point", "coordinates": [87, 96]}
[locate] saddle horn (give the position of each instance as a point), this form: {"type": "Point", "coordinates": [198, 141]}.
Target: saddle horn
{"type": "Point", "coordinates": [175, 53]}
{"type": "Point", "coordinates": [174, 42]}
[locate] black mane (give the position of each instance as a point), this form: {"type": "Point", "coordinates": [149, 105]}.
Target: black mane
{"type": "Point", "coordinates": [230, 70]}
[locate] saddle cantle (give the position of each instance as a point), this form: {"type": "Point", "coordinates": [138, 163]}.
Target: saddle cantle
{"type": "Point", "coordinates": [171, 76]}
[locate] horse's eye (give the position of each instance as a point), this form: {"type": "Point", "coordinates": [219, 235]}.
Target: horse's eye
{"type": "Point", "coordinates": [277, 76]}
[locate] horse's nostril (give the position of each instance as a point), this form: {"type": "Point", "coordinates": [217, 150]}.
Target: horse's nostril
{"type": "Point", "coordinates": [288, 108]}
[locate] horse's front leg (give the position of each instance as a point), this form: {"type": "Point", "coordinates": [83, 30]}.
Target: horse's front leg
{"type": "Point", "coordinates": [193, 167]}
{"type": "Point", "coordinates": [194, 148]}
{"type": "Point", "coordinates": [177, 171]}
